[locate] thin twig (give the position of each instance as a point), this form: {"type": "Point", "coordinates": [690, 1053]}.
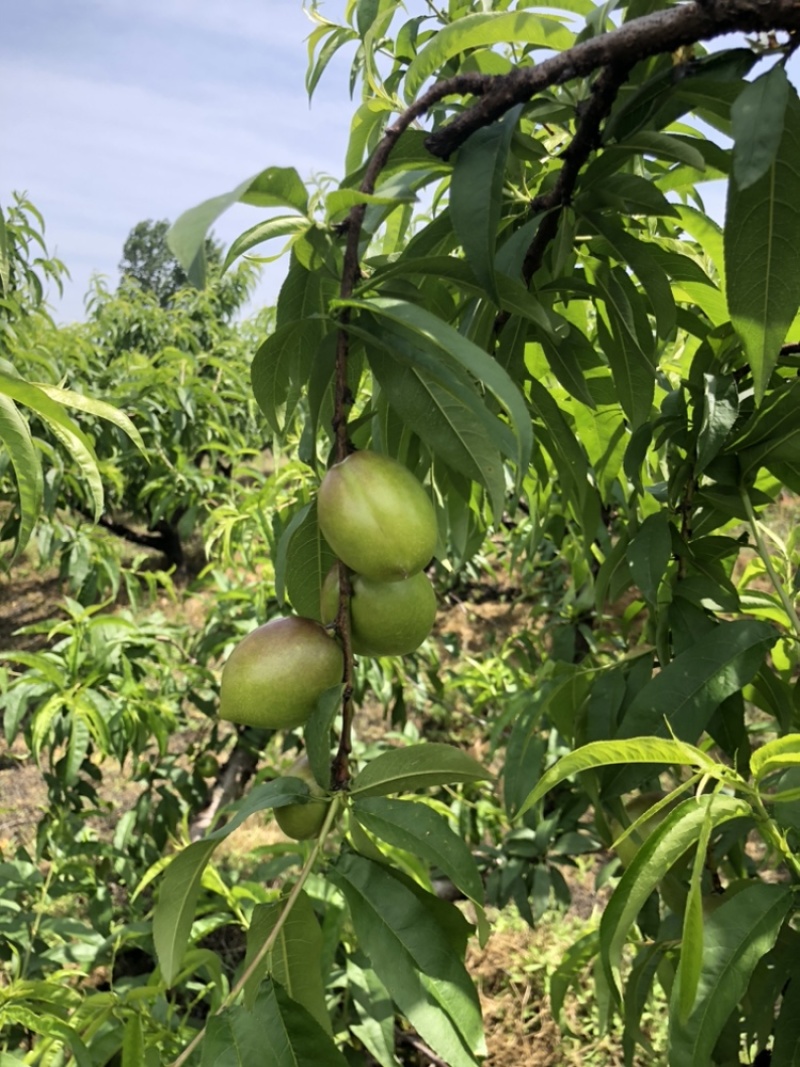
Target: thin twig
{"type": "Point", "coordinates": [419, 1045]}
{"type": "Point", "coordinates": [258, 959]}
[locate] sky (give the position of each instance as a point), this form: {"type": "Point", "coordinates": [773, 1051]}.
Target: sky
{"type": "Point", "coordinates": [113, 111]}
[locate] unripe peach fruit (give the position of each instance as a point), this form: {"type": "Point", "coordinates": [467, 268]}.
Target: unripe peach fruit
{"type": "Point", "coordinates": [274, 677]}
{"type": "Point", "coordinates": [377, 517]}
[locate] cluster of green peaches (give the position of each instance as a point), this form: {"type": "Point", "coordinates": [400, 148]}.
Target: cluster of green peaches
{"type": "Point", "coordinates": [380, 522]}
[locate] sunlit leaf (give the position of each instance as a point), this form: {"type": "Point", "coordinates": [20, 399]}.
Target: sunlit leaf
{"type": "Point", "coordinates": [473, 31]}
{"type": "Point", "coordinates": [680, 830]}
{"type": "Point", "coordinates": [16, 436]}
{"type": "Point", "coordinates": [606, 753]}
{"type": "Point", "coordinates": [402, 770]}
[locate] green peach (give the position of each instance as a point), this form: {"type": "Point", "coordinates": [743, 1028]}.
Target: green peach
{"type": "Point", "coordinates": [274, 677]}
{"type": "Point", "coordinates": [387, 618]}
{"type": "Point", "coordinates": [301, 821]}
{"type": "Point", "coordinates": [377, 517]}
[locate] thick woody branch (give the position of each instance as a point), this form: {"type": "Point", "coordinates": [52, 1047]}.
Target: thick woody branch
{"type": "Point", "coordinates": [663, 31]}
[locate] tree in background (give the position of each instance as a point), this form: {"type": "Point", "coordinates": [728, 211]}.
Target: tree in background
{"type": "Point", "coordinates": [148, 260]}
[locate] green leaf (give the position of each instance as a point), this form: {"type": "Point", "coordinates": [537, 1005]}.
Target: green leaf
{"type": "Point", "coordinates": [304, 294]}
{"type": "Point", "coordinates": [638, 985]}
{"type": "Point", "coordinates": [440, 404]}
{"type": "Point", "coordinates": [691, 961]}
{"type": "Point", "coordinates": [99, 408]}
{"type": "Point", "coordinates": [375, 1010]}
{"type": "Point", "coordinates": [282, 364]}
{"type": "Point", "coordinates": [606, 753]}
{"type": "Point", "coordinates": [69, 434]}
{"type": "Point", "coordinates": [281, 226]}
{"type": "Point", "coordinates": [16, 436]}
{"type": "Point", "coordinates": [680, 830]}
{"type": "Point", "coordinates": [476, 194]}
{"type": "Point", "coordinates": [662, 146]}
{"type": "Point", "coordinates": [273, 187]}
{"type": "Point", "coordinates": [337, 37]}
{"type": "Point", "coordinates": [5, 258]}
{"type": "Point", "coordinates": [422, 766]}
{"type": "Point", "coordinates": [786, 1048]}
{"type": "Point", "coordinates": [514, 297]}
{"type": "Point", "coordinates": [570, 971]}
{"type": "Point", "coordinates": [570, 459]}
{"type": "Point", "coordinates": [277, 1031]}
{"type": "Point", "coordinates": [341, 200]}
{"type": "Point", "coordinates": [768, 758]}
{"type": "Point", "coordinates": [653, 103]}
{"type": "Point", "coordinates": [451, 346]}
{"type": "Point", "coordinates": [285, 539]}
{"type": "Point", "coordinates": [417, 828]}
{"type": "Point", "coordinates": [622, 342]}
{"type": "Point", "coordinates": [308, 560]}
{"type": "Point", "coordinates": [476, 31]}
{"type": "Point", "coordinates": [77, 747]}
{"type": "Point", "coordinates": [174, 910]}
{"type": "Point", "coordinates": [295, 960]}
{"type": "Point", "coordinates": [649, 552]}
{"type": "Point", "coordinates": [708, 234]}
{"type": "Point", "coordinates": [564, 356]}
{"type": "Point", "coordinates": [317, 734]}
{"type": "Point", "coordinates": [637, 255]}
{"type": "Point", "coordinates": [412, 955]}
{"type": "Point", "coordinates": [762, 234]}
{"type": "Point", "coordinates": [626, 193]}
{"type": "Point", "coordinates": [757, 118]}
{"type": "Point", "coordinates": [735, 937]}
{"type": "Point", "coordinates": [720, 410]}
{"type": "Point", "coordinates": [133, 1054]}
{"type": "Point", "coordinates": [686, 691]}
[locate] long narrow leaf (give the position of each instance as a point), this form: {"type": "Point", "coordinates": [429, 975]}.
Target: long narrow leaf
{"type": "Point", "coordinates": [15, 434]}
{"type": "Point", "coordinates": [736, 936]}
{"type": "Point", "coordinates": [678, 832]}
{"type": "Point", "coordinates": [607, 753]}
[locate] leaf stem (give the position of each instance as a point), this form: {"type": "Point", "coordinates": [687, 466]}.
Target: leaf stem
{"type": "Point", "coordinates": [297, 888]}
{"type": "Point", "coordinates": [766, 559]}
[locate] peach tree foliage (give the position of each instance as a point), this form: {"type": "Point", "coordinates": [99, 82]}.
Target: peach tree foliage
{"type": "Point", "coordinates": [29, 392]}
{"type": "Point", "coordinates": [517, 290]}
{"type": "Point", "coordinates": [163, 445]}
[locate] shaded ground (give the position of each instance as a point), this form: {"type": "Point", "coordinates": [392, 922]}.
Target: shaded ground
{"type": "Point", "coordinates": [26, 597]}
